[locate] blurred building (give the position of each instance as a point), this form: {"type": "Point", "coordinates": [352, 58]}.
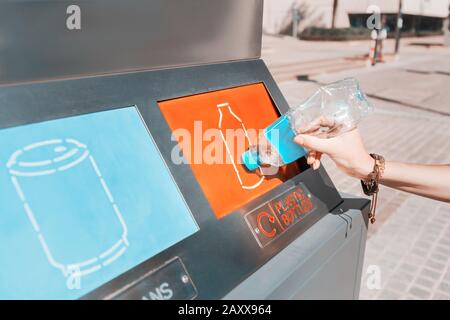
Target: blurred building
{"type": "Point", "coordinates": [418, 15]}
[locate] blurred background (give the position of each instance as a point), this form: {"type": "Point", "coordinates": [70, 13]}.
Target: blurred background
{"type": "Point", "coordinates": [403, 64]}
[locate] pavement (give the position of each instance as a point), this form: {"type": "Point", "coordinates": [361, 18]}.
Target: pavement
{"type": "Point", "coordinates": [410, 242]}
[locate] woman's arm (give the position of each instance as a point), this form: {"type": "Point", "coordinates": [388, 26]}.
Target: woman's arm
{"type": "Point", "coordinates": [350, 155]}
{"type": "Point", "coordinates": [431, 181]}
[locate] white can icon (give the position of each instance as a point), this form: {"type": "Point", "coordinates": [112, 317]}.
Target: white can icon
{"type": "Point", "coordinates": [69, 205]}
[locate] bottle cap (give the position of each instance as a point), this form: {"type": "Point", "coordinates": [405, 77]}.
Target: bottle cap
{"type": "Point", "coordinates": [250, 160]}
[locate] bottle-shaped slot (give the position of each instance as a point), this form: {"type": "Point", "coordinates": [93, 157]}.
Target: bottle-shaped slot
{"type": "Point", "coordinates": [233, 132]}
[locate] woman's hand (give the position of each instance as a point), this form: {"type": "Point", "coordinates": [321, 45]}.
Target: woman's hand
{"type": "Point", "coordinates": [346, 150]}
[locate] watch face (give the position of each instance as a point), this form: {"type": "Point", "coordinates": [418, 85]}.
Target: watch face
{"type": "Point", "coordinates": [369, 187]}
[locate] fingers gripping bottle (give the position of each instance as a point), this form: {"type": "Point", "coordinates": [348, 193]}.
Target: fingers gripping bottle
{"type": "Point", "coordinates": [332, 110]}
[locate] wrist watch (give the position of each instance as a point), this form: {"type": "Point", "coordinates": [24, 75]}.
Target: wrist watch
{"type": "Point", "coordinates": [370, 184]}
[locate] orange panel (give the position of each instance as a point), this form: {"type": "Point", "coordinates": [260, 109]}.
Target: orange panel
{"type": "Point", "coordinates": [225, 183]}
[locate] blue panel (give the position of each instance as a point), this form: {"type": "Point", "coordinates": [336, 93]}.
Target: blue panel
{"type": "Point", "coordinates": [83, 199]}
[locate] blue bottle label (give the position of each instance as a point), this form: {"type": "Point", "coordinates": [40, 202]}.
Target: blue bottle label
{"type": "Point", "coordinates": [281, 136]}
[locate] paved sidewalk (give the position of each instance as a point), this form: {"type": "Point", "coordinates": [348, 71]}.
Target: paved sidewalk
{"type": "Point", "coordinates": [412, 250]}
{"type": "Point", "coordinates": [410, 243]}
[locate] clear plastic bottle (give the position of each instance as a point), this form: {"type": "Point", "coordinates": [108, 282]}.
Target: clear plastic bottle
{"type": "Point", "coordinates": [332, 110]}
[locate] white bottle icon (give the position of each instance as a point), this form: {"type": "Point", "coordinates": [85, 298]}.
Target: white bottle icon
{"type": "Point", "coordinates": [67, 200]}
{"type": "Point", "coordinates": [226, 114]}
